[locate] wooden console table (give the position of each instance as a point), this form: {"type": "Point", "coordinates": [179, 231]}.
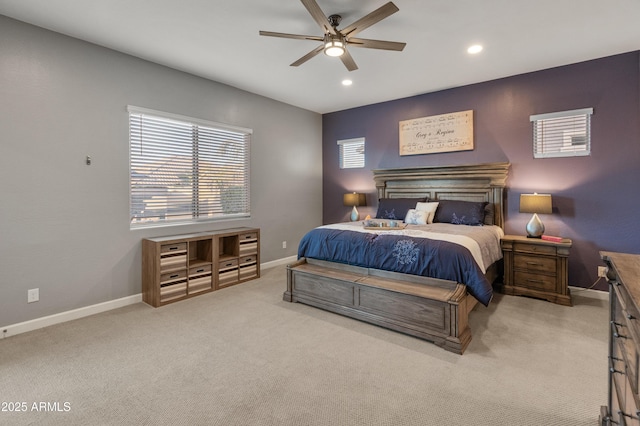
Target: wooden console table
{"type": "Point", "coordinates": [181, 266]}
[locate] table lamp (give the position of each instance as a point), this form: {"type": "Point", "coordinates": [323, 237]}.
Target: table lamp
{"type": "Point", "coordinates": [354, 199]}
{"type": "Point", "coordinates": [535, 203]}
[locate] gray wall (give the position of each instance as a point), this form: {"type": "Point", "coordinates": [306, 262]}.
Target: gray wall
{"type": "Point", "coordinates": [64, 226]}
{"type": "Point", "coordinates": [595, 198]}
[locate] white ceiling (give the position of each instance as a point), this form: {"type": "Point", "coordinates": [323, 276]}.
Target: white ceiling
{"type": "Point", "coordinates": [218, 40]}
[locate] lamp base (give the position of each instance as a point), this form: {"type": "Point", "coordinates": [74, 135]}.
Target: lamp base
{"type": "Point", "coordinates": [354, 214]}
{"type": "Point", "coordinates": [535, 227]}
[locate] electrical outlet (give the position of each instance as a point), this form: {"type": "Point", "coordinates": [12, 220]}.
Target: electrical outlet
{"type": "Point", "coordinates": [602, 271]}
{"type": "Point", "coordinates": [284, 244]}
{"type": "Point", "coordinates": [33, 295]}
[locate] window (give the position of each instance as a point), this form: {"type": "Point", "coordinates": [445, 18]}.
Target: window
{"type": "Point", "coordinates": [186, 170]}
{"type": "Point", "coordinates": [351, 153]}
{"type": "Point", "coordinates": [562, 134]}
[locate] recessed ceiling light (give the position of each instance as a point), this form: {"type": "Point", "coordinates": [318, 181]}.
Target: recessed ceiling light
{"type": "Point", "coordinates": [347, 82]}
{"type": "Point", "coordinates": [476, 48]}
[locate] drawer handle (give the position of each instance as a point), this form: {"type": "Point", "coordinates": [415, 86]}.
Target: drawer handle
{"type": "Point", "coordinates": [200, 270]}
{"type": "Point", "coordinates": [535, 281]}
{"type": "Point", "coordinates": [629, 415]}
{"type": "Point", "coordinates": [534, 264]}
{"type": "Point", "coordinates": [173, 248]}
{"type": "Point", "coordinates": [616, 334]}
{"type": "Point", "coordinates": [174, 276]}
{"type": "Point", "coordinates": [229, 264]}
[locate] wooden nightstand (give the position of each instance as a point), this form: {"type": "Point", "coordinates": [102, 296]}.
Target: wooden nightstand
{"type": "Point", "coordinates": [537, 268]}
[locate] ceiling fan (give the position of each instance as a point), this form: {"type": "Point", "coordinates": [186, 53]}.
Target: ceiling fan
{"type": "Point", "coordinates": [334, 41]}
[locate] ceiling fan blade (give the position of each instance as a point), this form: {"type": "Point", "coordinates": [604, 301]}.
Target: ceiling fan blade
{"type": "Point", "coordinates": [376, 44]}
{"type": "Point", "coordinates": [318, 16]}
{"type": "Point", "coordinates": [348, 61]}
{"type": "Point", "coordinates": [370, 19]}
{"type": "Point", "coordinates": [294, 36]}
{"type": "Point", "coordinates": [308, 56]}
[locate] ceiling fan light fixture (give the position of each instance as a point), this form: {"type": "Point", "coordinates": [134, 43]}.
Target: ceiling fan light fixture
{"type": "Point", "coordinates": [333, 45]}
{"type": "Point", "coordinates": [335, 41]}
{"type": "Point", "coordinates": [476, 48]}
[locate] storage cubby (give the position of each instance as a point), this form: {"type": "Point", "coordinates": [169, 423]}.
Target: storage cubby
{"type": "Point", "coordinates": [238, 260]}
{"type": "Point", "coordinates": [173, 285]}
{"type": "Point", "coordinates": [228, 246]}
{"type": "Point", "coordinates": [248, 259]}
{"type": "Point", "coordinates": [248, 267]}
{"type": "Point", "coordinates": [248, 243]}
{"type": "Point", "coordinates": [173, 256]}
{"type": "Point", "coordinates": [228, 272]}
{"type": "Point", "coordinates": [180, 266]}
{"type": "Point", "coordinates": [200, 252]}
{"type": "Point", "coordinates": [200, 279]}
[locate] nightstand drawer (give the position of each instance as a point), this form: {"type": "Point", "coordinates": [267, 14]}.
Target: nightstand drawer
{"type": "Point", "coordinates": [535, 281]}
{"type": "Point", "coordinates": [535, 263]}
{"type": "Point", "coordinates": [534, 248]}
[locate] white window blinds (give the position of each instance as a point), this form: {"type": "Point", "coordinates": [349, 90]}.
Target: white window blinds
{"type": "Point", "coordinates": [351, 153]}
{"type": "Point", "coordinates": [186, 170]}
{"type": "Point", "coordinates": [562, 134]}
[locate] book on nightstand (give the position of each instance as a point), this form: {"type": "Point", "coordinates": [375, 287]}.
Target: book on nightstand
{"type": "Point", "coordinates": [552, 238]}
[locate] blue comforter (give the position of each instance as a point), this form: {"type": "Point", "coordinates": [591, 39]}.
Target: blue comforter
{"type": "Point", "coordinates": [399, 253]}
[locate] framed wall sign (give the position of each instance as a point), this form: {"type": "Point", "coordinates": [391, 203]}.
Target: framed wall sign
{"type": "Point", "coordinates": [438, 133]}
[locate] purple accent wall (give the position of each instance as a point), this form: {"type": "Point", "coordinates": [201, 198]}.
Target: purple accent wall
{"type": "Point", "coordinates": [596, 199]}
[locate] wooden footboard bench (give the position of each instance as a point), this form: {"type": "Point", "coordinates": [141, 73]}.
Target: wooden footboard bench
{"type": "Point", "coordinates": [428, 308]}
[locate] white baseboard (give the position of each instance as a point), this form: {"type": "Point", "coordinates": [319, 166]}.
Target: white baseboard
{"type": "Point", "coordinates": [35, 324]}
{"type": "Point", "coordinates": [279, 262]}
{"type": "Point", "coordinates": [587, 292]}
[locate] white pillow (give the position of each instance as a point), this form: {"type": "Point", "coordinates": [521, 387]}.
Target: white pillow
{"type": "Point", "coordinates": [430, 208]}
{"type": "Point", "coordinates": [416, 217]}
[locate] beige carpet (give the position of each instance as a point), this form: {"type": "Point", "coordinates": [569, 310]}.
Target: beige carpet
{"type": "Point", "coordinates": [242, 356]}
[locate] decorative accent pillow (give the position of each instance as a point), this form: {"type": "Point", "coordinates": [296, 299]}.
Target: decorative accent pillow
{"type": "Point", "coordinates": [430, 208]}
{"type": "Point", "coordinates": [396, 208]}
{"type": "Point", "coordinates": [416, 217]}
{"type": "Point", "coordinates": [489, 214]}
{"type": "Point", "coordinates": [461, 212]}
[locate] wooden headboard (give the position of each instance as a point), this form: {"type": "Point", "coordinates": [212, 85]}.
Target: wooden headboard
{"type": "Point", "coordinates": [478, 182]}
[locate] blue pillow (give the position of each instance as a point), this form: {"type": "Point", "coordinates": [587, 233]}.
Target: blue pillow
{"type": "Point", "coordinates": [461, 212]}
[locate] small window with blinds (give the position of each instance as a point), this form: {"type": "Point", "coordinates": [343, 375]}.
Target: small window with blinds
{"type": "Point", "coordinates": [562, 134]}
{"type": "Point", "coordinates": [351, 153]}
{"type": "Point", "coordinates": [186, 170]}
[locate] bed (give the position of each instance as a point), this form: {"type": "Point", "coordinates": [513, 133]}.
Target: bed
{"type": "Point", "coordinates": [380, 286]}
